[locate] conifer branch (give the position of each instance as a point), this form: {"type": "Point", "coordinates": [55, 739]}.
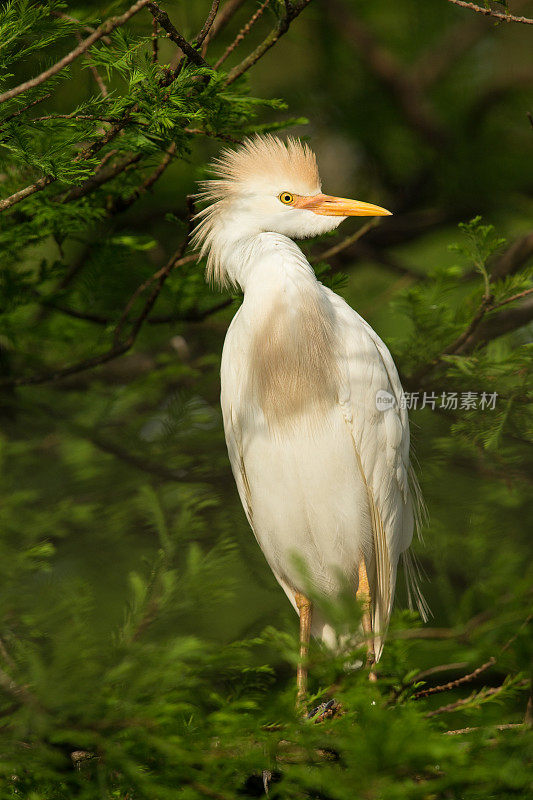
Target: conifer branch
{"type": "Point", "coordinates": [489, 12]}
{"type": "Point", "coordinates": [102, 30]}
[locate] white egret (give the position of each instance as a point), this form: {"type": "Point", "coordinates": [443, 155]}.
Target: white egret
{"type": "Point", "coordinates": [321, 465]}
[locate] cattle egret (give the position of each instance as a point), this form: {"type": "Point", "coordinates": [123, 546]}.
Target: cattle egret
{"type": "Point", "coordinates": [317, 437]}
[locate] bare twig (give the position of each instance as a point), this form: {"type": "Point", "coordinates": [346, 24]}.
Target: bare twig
{"type": "Point", "coordinates": [15, 198]}
{"type": "Point", "coordinates": [122, 203]}
{"type": "Point", "coordinates": [88, 28]}
{"type": "Point", "coordinates": [140, 462]}
{"type": "Point", "coordinates": [155, 43]}
{"type": "Point", "coordinates": [26, 107]}
{"type": "Point", "coordinates": [73, 115]}
{"type": "Point", "coordinates": [206, 27]}
{"type": "Point", "coordinates": [347, 242]}
{"type": "Point", "coordinates": [224, 16]}
{"type": "Point", "coordinates": [281, 28]}
{"type": "Point", "coordinates": [509, 726]}
{"type": "Point", "coordinates": [488, 12]}
{"type": "Point", "coordinates": [100, 177]}
{"type": "Point", "coordinates": [242, 33]}
{"type": "Point", "coordinates": [498, 325]}
{"type": "Point", "coordinates": [512, 299]}
{"type": "Point", "coordinates": [225, 137]}
{"type": "Point", "coordinates": [160, 276]}
{"type": "Point", "coordinates": [103, 29]}
{"type": "Point", "coordinates": [482, 695]}
{"type": "Point", "coordinates": [443, 55]}
{"type": "Point", "coordinates": [165, 22]}
{"type": "Point", "coordinates": [427, 673]}
{"type": "Point", "coordinates": [143, 286]}
{"type": "Point", "coordinates": [96, 75]}
{"type": "Point", "coordinates": [192, 315]}
{"type": "Point", "coordinates": [446, 687]}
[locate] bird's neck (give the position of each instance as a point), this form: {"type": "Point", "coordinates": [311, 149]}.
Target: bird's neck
{"type": "Point", "coordinates": [263, 262]}
{"type": "Point", "coordinates": [289, 330]}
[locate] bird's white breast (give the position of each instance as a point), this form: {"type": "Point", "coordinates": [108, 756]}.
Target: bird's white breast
{"type": "Point", "coordinates": [290, 447]}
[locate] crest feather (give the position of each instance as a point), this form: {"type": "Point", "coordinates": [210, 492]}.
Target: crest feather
{"type": "Point", "coordinates": [287, 164]}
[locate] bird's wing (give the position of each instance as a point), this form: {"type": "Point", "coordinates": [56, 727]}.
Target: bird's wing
{"type": "Point", "coordinates": [230, 372]}
{"type": "Point", "coordinates": [380, 433]}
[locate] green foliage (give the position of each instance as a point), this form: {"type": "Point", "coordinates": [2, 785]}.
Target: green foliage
{"type": "Point", "coordinates": [145, 649]}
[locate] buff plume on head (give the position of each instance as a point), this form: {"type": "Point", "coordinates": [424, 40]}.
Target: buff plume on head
{"type": "Point", "coordinates": [266, 185]}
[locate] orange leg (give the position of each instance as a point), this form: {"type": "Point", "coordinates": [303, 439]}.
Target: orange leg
{"type": "Point", "coordinates": [363, 594]}
{"type": "Point", "coordinates": [304, 607]}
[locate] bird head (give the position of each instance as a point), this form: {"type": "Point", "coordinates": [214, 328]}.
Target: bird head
{"type": "Point", "coordinates": [267, 185]}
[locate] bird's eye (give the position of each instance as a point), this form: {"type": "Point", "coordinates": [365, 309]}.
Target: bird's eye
{"type": "Point", "coordinates": [286, 197]}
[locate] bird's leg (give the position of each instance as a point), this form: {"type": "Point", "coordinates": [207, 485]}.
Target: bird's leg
{"type": "Point", "coordinates": [363, 594]}
{"type": "Point", "coordinates": [304, 608]}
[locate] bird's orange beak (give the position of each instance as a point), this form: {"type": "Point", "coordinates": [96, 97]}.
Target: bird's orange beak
{"type": "Point", "coordinates": [330, 206]}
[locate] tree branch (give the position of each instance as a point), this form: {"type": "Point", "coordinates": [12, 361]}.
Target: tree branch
{"type": "Point", "coordinates": [138, 461]}
{"type": "Point", "coordinates": [155, 43]}
{"type": "Point", "coordinates": [225, 14]}
{"type": "Point", "coordinates": [122, 203]}
{"type": "Point", "coordinates": [392, 74]}
{"type": "Point", "coordinates": [499, 325]}
{"type": "Point", "coordinates": [99, 178]}
{"type": "Point", "coordinates": [488, 12]}
{"type": "Point", "coordinates": [102, 30]}
{"type": "Point", "coordinates": [281, 28]}
{"type": "Point", "coordinates": [165, 22]}
{"type": "Point", "coordinates": [118, 348]}
{"type": "Point", "coordinates": [208, 22]}
{"type": "Point", "coordinates": [482, 695]}
{"type": "Point", "coordinates": [25, 108]}
{"type": "Point", "coordinates": [244, 31]}
{"type": "Point", "coordinates": [514, 258]}
{"type": "Point", "coordinates": [347, 242]}
{"type": "Point", "coordinates": [512, 299]}
{"type": "Point", "coordinates": [445, 687]}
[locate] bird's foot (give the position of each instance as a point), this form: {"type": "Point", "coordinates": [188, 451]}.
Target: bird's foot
{"type": "Point", "coordinates": [325, 711]}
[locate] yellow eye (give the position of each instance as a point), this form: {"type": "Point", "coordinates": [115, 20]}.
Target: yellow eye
{"type": "Point", "coordinates": [286, 197]}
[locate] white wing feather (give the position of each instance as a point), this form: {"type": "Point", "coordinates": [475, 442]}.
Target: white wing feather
{"type": "Point", "coordinates": [381, 439]}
